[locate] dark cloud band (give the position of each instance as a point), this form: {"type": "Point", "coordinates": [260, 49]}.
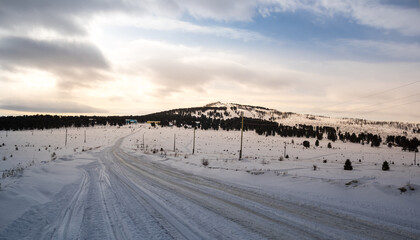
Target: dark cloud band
{"type": "Point", "coordinates": [47, 106]}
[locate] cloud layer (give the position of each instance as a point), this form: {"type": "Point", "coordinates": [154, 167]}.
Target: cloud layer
{"type": "Point", "coordinates": [40, 106]}
{"type": "Point", "coordinates": [114, 52]}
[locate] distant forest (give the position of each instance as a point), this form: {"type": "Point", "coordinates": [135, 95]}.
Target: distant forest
{"type": "Point", "coordinates": [183, 118]}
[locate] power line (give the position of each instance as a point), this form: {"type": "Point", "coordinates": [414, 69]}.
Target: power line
{"type": "Point", "coordinates": [375, 94]}
{"type": "Point", "coordinates": [390, 107]}
{"type": "Point", "coordinates": [389, 90]}
{"type": "Point", "coordinates": [377, 104]}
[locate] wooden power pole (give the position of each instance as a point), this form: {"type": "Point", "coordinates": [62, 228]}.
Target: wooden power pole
{"type": "Point", "coordinates": [242, 135]}
{"type": "Point", "coordinates": [193, 142]}
{"type": "Point", "coordinates": [174, 142]}
{"type": "Point", "coordinates": [285, 149]}
{"type": "Point", "coordinates": [65, 141]}
{"type": "Point", "coordinates": [143, 143]}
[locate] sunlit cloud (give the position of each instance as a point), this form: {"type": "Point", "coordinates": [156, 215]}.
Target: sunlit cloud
{"type": "Point", "coordinates": [135, 57]}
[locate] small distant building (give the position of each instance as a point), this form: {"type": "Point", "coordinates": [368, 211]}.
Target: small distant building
{"type": "Point", "coordinates": [130, 121]}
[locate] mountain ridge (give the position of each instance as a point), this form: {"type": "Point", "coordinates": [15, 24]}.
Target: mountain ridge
{"type": "Point", "coordinates": [219, 110]}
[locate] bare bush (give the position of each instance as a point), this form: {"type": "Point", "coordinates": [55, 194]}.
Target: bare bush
{"type": "Point", "coordinates": [205, 162]}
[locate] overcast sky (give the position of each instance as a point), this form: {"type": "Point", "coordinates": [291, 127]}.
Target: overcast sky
{"type": "Point", "coordinates": [348, 58]}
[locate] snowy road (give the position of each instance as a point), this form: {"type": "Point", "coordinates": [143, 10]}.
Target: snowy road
{"type": "Point", "coordinates": [120, 196]}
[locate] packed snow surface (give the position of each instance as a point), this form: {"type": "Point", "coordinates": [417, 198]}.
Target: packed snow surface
{"type": "Point", "coordinates": [115, 185]}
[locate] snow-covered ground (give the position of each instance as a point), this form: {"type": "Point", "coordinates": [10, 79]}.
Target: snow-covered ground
{"type": "Point", "coordinates": [366, 189]}
{"type": "Point", "coordinates": [88, 182]}
{"type": "Point", "coordinates": [46, 163]}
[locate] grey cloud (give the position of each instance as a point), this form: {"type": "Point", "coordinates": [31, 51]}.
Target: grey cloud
{"type": "Point", "coordinates": [237, 10]}
{"type": "Point", "coordinates": [67, 16]}
{"type": "Point", "coordinates": [50, 54]}
{"type": "Point", "coordinates": [73, 63]}
{"type": "Point", "coordinates": [59, 15]}
{"type": "Point", "coordinates": [47, 106]}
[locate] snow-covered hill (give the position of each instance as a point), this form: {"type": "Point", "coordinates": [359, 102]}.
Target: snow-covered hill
{"type": "Point", "coordinates": [220, 110]}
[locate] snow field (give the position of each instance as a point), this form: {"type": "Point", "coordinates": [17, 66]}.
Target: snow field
{"type": "Point", "coordinates": [366, 193]}
{"type": "Point", "coordinates": [365, 190]}
{"type": "Point", "coordinates": [24, 147]}
{"type": "Point", "coordinates": [48, 165]}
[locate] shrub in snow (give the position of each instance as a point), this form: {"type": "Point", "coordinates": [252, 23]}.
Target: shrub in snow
{"type": "Point", "coordinates": [347, 165]}
{"type": "Point", "coordinates": [205, 162]}
{"type": "Point", "coordinates": [329, 145]}
{"type": "Point", "coordinates": [287, 156]}
{"type": "Point", "coordinates": [385, 166]}
{"type": "Point", "coordinates": [351, 182]}
{"type": "Point", "coordinates": [315, 167]}
{"type": "Point", "coordinates": [281, 158]}
{"type": "Point", "coordinates": [306, 144]}
{"type": "Point", "coordinates": [17, 149]}
{"type": "Point", "coordinates": [317, 143]}
{"type": "Point", "coordinates": [4, 158]}
{"type": "Point", "coordinates": [410, 187]}
{"type": "Point", "coordinates": [325, 161]}
{"type": "Point", "coordinates": [406, 187]}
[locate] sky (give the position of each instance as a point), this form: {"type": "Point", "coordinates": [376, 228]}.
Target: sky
{"type": "Point", "coordinates": [348, 58]}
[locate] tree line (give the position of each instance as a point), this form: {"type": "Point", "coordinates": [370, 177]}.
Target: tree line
{"type": "Point", "coordinates": [31, 122]}
{"type": "Point", "coordinates": [184, 118]}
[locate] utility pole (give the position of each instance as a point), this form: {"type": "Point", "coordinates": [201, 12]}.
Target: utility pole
{"type": "Point", "coordinates": [85, 135]}
{"type": "Point", "coordinates": [174, 141]}
{"type": "Point", "coordinates": [242, 135]}
{"type": "Point", "coordinates": [143, 142]}
{"type": "Point", "coordinates": [193, 142]}
{"type": "Point", "coordinates": [285, 144]}
{"type": "Point", "coordinates": [65, 142]}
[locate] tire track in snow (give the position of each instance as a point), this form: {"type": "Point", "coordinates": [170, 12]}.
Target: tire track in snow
{"type": "Point", "coordinates": [333, 223]}
{"type": "Point", "coordinates": [164, 216]}
{"type": "Point", "coordinates": [69, 221]}
{"type": "Point", "coordinates": [264, 225]}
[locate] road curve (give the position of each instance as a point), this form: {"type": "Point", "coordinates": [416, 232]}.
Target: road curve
{"type": "Point", "coordinates": [124, 197]}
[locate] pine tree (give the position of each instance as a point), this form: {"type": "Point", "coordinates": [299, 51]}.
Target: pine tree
{"type": "Point", "coordinates": [347, 165]}
{"type": "Point", "coordinates": [385, 166]}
